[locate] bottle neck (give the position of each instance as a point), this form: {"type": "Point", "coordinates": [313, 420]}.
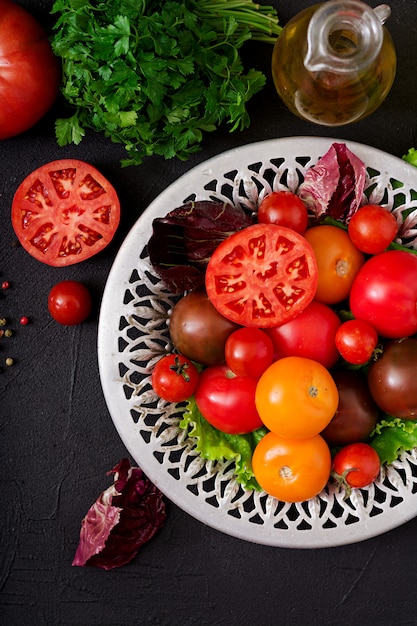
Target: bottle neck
{"type": "Point", "coordinates": [343, 36]}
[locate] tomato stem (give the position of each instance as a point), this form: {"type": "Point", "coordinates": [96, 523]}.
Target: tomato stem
{"type": "Point", "coordinates": [180, 369]}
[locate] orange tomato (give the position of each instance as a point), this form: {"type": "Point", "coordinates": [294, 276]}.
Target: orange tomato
{"type": "Point", "coordinates": [292, 470]}
{"type": "Point", "coordinates": [296, 397]}
{"type": "Point", "coordinates": [338, 262]}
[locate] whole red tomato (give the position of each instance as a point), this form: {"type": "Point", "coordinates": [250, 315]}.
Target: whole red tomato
{"type": "Point", "coordinates": [298, 337]}
{"type": "Point", "coordinates": [372, 228]}
{"type": "Point", "coordinates": [356, 341]}
{"type": "Point", "coordinates": [174, 378]}
{"type": "Point", "coordinates": [285, 209]}
{"type": "Point", "coordinates": [227, 401]}
{"type": "Point", "coordinates": [356, 465]}
{"type": "Point", "coordinates": [69, 302]}
{"type": "Point", "coordinates": [249, 351]}
{"type": "Point", "coordinates": [384, 294]}
{"type": "Point", "coordinates": [30, 74]}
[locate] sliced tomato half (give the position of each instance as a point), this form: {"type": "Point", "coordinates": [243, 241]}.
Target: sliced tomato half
{"type": "Point", "coordinates": [262, 275]}
{"type": "Point", "coordinates": [65, 212]}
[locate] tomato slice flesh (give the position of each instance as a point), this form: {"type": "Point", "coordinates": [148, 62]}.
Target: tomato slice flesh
{"type": "Point", "coordinates": [65, 212]}
{"type": "Point", "coordinates": [263, 275]}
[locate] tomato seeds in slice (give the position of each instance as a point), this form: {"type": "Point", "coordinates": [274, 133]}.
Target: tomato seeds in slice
{"type": "Point", "coordinates": [262, 275]}
{"type": "Point", "coordinates": [65, 212]}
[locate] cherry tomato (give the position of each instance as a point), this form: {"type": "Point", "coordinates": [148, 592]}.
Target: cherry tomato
{"type": "Point", "coordinates": [356, 465]}
{"type": "Point", "coordinates": [198, 330]}
{"type": "Point", "coordinates": [356, 341]}
{"type": "Point", "coordinates": [249, 351]}
{"type": "Point", "coordinates": [392, 379]}
{"type": "Point", "coordinates": [298, 337]}
{"type": "Point", "coordinates": [262, 275]}
{"type": "Point", "coordinates": [296, 397]}
{"type": "Point", "coordinates": [372, 228]}
{"type": "Point", "coordinates": [338, 262]}
{"type": "Point", "coordinates": [30, 74]}
{"type": "Point", "coordinates": [69, 302]}
{"type": "Point", "coordinates": [174, 378]}
{"type": "Point", "coordinates": [357, 412]}
{"type": "Point", "coordinates": [227, 401]}
{"type": "Point", "coordinates": [285, 209]}
{"type": "Point", "coordinates": [292, 470]}
{"type": "Point", "coordinates": [384, 294]}
{"type": "Point", "coordinates": [65, 212]}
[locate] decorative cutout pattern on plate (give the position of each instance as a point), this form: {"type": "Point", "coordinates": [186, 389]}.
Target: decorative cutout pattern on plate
{"type": "Point", "coordinates": [150, 429]}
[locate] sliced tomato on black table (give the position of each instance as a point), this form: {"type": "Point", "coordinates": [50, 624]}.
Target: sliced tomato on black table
{"type": "Point", "coordinates": [65, 212]}
{"type": "Point", "coordinates": [262, 275]}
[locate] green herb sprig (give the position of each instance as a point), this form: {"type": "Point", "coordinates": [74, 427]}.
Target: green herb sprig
{"type": "Point", "coordinates": [155, 76]}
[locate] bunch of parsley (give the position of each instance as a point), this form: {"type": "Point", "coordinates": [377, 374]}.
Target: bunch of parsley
{"type": "Point", "coordinates": [155, 75]}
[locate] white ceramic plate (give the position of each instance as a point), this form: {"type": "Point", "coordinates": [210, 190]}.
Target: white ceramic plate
{"type": "Point", "coordinates": [133, 336]}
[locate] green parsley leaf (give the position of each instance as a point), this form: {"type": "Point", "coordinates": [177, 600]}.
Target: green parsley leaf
{"type": "Point", "coordinates": [155, 76]}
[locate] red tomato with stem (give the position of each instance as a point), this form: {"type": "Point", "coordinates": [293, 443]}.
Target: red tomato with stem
{"type": "Point", "coordinates": [30, 74]}
{"type": "Point", "coordinates": [285, 209]}
{"type": "Point", "coordinates": [227, 401]}
{"type": "Point", "coordinates": [298, 337]}
{"type": "Point", "coordinates": [262, 275]}
{"type": "Point", "coordinates": [292, 470]}
{"type": "Point", "coordinates": [338, 262]}
{"type": "Point", "coordinates": [356, 341]}
{"type": "Point", "coordinates": [174, 378]}
{"type": "Point", "coordinates": [65, 212]}
{"type": "Point", "coordinates": [356, 465]}
{"type": "Point", "coordinates": [69, 302]}
{"type": "Point", "coordinates": [249, 351]}
{"type": "Point", "coordinates": [384, 294]}
{"type": "Point", "coordinates": [372, 228]}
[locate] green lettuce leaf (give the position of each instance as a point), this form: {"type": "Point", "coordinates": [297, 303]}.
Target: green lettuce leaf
{"type": "Point", "coordinates": [391, 436]}
{"type": "Point", "coordinates": [215, 445]}
{"type": "Point", "coordinates": [411, 156]}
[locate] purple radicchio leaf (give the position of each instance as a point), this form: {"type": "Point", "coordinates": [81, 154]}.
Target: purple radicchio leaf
{"type": "Point", "coordinates": [125, 516]}
{"type": "Point", "coordinates": [335, 185]}
{"type": "Point", "coordinates": [183, 241]}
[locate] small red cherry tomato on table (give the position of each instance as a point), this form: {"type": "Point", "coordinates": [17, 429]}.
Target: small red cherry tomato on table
{"type": "Point", "coordinates": [356, 341]}
{"type": "Point", "coordinates": [69, 302]}
{"type": "Point", "coordinates": [249, 351]}
{"type": "Point", "coordinates": [174, 378]}
{"type": "Point", "coordinates": [285, 209]}
{"type": "Point", "coordinates": [356, 465]}
{"type": "Point", "coordinates": [372, 228]}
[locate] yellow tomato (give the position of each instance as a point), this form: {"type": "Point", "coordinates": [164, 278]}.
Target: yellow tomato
{"type": "Point", "coordinates": [292, 470]}
{"type": "Point", "coordinates": [338, 262]}
{"type": "Point", "coordinates": [296, 397]}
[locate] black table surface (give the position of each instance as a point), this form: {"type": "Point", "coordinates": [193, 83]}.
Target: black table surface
{"type": "Point", "coordinates": [57, 438]}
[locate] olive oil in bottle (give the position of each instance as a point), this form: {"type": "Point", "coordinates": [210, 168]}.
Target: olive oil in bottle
{"type": "Point", "coordinates": [334, 63]}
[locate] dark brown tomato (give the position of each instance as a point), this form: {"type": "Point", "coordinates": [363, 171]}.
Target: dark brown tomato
{"type": "Point", "coordinates": [392, 379]}
{"type": "Point", "coordinates": [357, 412]}
{"type": "Point", "coordinates": [198, 330]}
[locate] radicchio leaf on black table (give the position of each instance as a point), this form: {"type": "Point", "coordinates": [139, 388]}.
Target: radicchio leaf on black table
{"type": "Point", "coordinates": [335, 185]}
{"type": "Point", "coordinates": [125, 516]}
{"type": "Point", "coordinates": [183, 241]}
